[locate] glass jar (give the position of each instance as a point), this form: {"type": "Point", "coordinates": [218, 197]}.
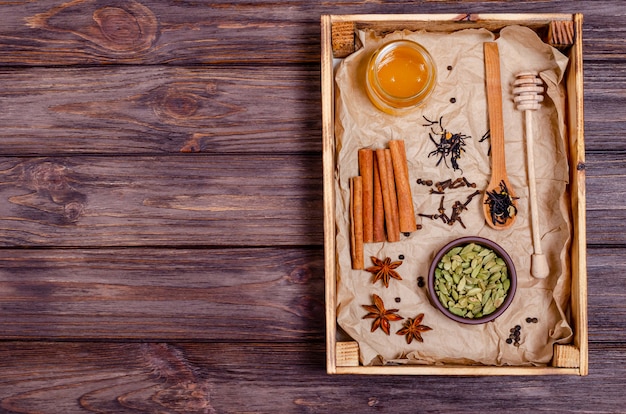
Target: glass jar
{"type": "Point", "coordinates": [400, 76]}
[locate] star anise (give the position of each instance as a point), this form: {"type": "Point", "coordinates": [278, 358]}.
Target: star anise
{"type": "Point", "coordinates": [384, 270]}
{"type": "Point", "coordinates": [413, 329]}
{"type": "Point", "coordinates": [381, 315]}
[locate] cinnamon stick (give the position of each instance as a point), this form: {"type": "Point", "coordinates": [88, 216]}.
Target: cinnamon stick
{"type": "Point", "coordinates": [356, 223]}
{"type": "Point", "coordinates": [379, 211]}
{"type": "Point", "coordinates": [406, 213]}
{"type": "Point", "coordinates": [394, 199]}
{"type": "Point", "coordinates": [366, 170]}
{"type": "Point", "coordinates": [385, 171]}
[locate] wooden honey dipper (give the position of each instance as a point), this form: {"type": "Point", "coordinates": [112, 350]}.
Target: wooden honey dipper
{"type": "Point", "coordinates": [527, 92]}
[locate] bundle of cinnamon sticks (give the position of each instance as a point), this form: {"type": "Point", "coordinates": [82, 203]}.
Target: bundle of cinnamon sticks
{"type": "Point", "coordinates": [381, 204]}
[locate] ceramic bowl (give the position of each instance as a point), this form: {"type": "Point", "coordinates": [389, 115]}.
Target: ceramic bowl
{"type": "Point", "coordinates": [484, 278]}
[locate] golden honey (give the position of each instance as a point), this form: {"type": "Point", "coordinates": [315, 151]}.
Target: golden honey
{"type": "Point", "coordinates": [400, 75]}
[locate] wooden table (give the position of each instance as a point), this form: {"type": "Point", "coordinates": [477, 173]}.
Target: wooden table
{"type": "Point", "coordinates": [161, 213]}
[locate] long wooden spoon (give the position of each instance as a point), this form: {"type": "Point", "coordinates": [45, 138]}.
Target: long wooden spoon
{"type": "Point", "coordinates": [499, 203]}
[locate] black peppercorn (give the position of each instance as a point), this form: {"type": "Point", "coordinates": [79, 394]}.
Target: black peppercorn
{"type": "Point", "coordinates": [450, 67]}
{"type": "Point", "coordinates": [398, 300]}
{"type": "Point", "coordinates": [401, 257]}
{"type": "Point", "coordinates": [535, 320]}
{"type": "Point", "coordinates": [515, 336]}
{"type": "Point", "coordinates": [529, 320]}
{"type": "Point", "coordinates": [452, 100]}
{"type": "Point", "coordinates": [407, 234]}
{"type": "Point", "coordinates": [420, 283]}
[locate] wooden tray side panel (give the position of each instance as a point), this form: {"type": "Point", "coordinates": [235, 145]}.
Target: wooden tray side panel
{"type": "Point", "coordinates": [382, 23]}
{"type": "Point", "coordinates": [574, 85]}
{"type": "Point", "coordinates": [328, 159]}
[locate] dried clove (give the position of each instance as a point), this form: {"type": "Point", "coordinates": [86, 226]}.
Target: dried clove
{"type": "Point", "coordinates": [429, 216]}
{"type": "Point", "coordinates": [442, 185]}
{"type": "Point", "coordinates": [470, 197]}
{"type": "Point", "coordinates": [457, 183]}
{"type": "Point", "coordinates": [468, 184]}
{"type": "Point", "coordinates": [457, 208]}
{"type": "Point", "coordinates": [441, 208]}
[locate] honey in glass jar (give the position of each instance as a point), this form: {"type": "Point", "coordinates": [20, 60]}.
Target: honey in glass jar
{"type": "Point", "coordinates": [400, 76]}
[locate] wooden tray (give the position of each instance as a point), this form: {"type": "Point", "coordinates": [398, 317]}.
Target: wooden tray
{"type": "Point", "coordinates": [564, 32]}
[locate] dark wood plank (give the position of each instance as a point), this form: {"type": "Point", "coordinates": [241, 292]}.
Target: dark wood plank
{"type": "Point", "coordinates": [144, 109]}
{"type": "Point", "coordinates": [202, 295]}
{"type": "Point", "coordinates": [606, 294]}
{"type": "Point", "coordinates": [45, 32]}
{"type": "Point", "coordinates": [149, 31]}
{"type": "Point", "coordinates": [261, 200]}
{"type": "Point", "coordinates": [234, 295]}
{"type": "Point", "coordinates": [222, 378]}
{"type": "Point", "coordinates": [604, 102]}
{"type": "Point", "coordinates": [162, 110]}
{"type": "Point", "coordinates": [207, 316]}
{"type": "Point", "coordinates": [606, 186]}
{"type": "Point", "coordinates": [208, 200]}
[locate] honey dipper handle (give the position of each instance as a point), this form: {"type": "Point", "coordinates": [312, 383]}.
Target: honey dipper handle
{"type": "Point", "coordinates": [539, 267]}
{"type": "Point", "coordinates": [532, 188]}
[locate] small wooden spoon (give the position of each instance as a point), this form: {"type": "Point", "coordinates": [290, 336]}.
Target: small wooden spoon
{"type": "Point", "coordinates": [499, 183]}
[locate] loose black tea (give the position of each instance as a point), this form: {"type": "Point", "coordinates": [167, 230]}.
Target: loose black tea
{"type": "Point", "coordinates": [501, 205]}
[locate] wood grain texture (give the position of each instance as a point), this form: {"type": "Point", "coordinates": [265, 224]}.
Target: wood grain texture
{"type": "Point", "coordinates": [80, 32]}
{"type": "Point", "coordinates": [604, 99]}
{"type": "Point", "coordinates": [606, 295]}
{"type": "Point", "coordinates": [231, 295]}
{"type": "Point", "coordinates": [246, 378]}
{"type": "Point", "coordinates": [137, 276]}
{"type": "Point", "coordinates": [164, 110]}
{"type": "Point", "coordinates": [159, 110]}
{"type": "Point", "coordinates": [217, 295]}
{"type": "Point", "coordinates": [261, 200]}
{"type": "Point", "coordinates": [606, 211]}
{"type": "Point", "coordinates": [206, 200]}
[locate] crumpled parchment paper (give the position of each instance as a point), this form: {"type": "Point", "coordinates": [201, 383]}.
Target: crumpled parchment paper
{"type": "Point", "coordinates": [461, 75]}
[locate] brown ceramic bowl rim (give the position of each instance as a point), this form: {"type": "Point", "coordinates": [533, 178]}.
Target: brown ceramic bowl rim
{"type": "Point", "coordinates": [486, 243]}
